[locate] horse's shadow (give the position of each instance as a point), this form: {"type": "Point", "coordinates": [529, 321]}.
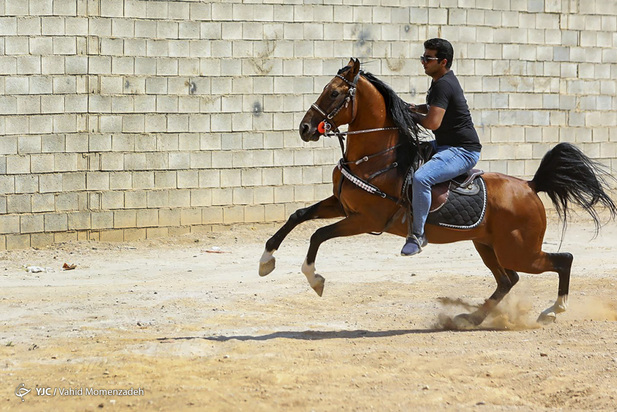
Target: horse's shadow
{"type": "Point", "coordinates": [312, 335]}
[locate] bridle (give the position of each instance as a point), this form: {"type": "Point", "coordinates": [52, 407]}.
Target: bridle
{"type": "Point", "coordinates": [351, 93]}
{"type": "Point", "coordinates": [331, 129]}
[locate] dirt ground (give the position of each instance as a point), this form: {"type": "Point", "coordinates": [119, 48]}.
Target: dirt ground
{"type": "Point", "coordinates": [200, 330]}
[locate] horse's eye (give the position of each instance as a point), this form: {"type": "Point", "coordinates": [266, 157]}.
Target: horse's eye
{"type": "Point", "coordinates": [334, 94]}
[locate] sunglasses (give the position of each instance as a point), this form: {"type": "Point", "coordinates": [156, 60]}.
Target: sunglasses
{"type": "Point", "coordinates": [425, 59]}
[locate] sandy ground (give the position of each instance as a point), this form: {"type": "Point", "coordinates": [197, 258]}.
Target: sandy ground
{"type": "Point", "coordinates": [200, 330]}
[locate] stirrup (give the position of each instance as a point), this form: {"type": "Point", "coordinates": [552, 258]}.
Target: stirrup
{"type": "Point", "coordinates": [413, 245]}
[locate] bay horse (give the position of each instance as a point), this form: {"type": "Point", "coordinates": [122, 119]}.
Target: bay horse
{"type": "Point", "coordinates": [382, 144]}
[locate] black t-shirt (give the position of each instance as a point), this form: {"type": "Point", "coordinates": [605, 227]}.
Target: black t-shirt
{"type": "Point", "coordinates": [456, 127]}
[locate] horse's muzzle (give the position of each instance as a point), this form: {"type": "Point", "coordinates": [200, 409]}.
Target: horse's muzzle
{"type": "Point", "coordinates": [308, 133]}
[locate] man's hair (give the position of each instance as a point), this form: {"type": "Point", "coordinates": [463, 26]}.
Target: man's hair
{"type": "Point", "coordinates": [444, 49]}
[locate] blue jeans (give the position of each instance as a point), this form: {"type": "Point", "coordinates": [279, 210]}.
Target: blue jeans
{"type": "Point", "coordinates": [446, 164]}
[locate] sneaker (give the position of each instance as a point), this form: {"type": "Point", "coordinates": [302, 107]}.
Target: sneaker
{"type": "Point", "coordinates": [414, 245]}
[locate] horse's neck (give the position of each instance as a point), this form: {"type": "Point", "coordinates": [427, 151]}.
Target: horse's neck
{"type": "Point", "coordinates": [366, 144]}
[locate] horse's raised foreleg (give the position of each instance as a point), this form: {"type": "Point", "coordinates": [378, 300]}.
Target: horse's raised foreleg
{"type": "Point", "coordinates": [327, 208]}
{"type": "Point", "coordinates": [505, 278]}
{"type": "Point", "coordinates": [351, 225]}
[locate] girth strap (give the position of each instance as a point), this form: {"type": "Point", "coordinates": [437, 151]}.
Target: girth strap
{"type": "Point", "coordinates": [363, 184]}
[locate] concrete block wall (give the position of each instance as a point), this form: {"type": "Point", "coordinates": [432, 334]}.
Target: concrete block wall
{"type": "Point", "coordinates": [128, 119]}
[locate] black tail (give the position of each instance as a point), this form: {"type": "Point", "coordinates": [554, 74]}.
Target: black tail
{"type": "Point", "coordinates": [567, 175]}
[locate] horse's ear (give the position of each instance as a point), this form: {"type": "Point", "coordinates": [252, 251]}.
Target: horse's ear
{"type": "Point", "coordinates": [355, 66]}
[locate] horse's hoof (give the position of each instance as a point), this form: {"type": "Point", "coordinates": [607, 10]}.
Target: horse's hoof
{"type": "Point", "coordinates": [464, 321]}
{"type": "Point", "coordinates": [266, 263]}
{"type": "Point", "coordinates": [265, 268]}
{"type": "Point", "coordinates": [318, 284]}
{"type": "Point", "coordinates": [546, 318]}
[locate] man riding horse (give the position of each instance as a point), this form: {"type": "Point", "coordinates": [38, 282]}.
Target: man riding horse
{"type": "Point", "coordinates": [456, 145]}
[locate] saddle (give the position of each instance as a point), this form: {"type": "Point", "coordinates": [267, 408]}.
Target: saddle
{"type": "Point", "coordinates": [464, 184]}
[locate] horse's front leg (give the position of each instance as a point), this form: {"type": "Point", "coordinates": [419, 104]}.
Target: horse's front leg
{"type": "Point", "coordinates": [326, 209]}
{"type": "Point", "coordinates": [351, 225]}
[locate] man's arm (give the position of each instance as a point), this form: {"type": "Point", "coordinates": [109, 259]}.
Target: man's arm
{"type": "Point", "coordinates": [433, 117]}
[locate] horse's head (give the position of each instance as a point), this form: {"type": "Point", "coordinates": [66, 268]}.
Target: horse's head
{"type": "Point", "coordinates": [332, 108]}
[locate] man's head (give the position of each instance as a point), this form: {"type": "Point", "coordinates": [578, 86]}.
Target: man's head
{"type": "Point", "coordinates": [443, 49]}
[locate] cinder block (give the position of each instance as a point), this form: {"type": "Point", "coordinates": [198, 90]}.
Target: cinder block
{"type": "Point", "coordinates": [62, 237]}
{"type": "Point", "coordinates": [112, 235]}
{"type": "Point", "coordinates": [102, 220]}
{"type": "Point", "coordinates": [221, 197]}
{"type": "Point", "coordinates": [97, 181]}
{"type": "Point", "coordinates": [112, 200]}
{"type": "Point", "coordinates": [26, 183]}
{"type": "Point", "coordinates": [79, 221]}
{"type": "Point", "coordinates": [31, 223]}
{"type": "Point", "coordinates": [19, 203]}
{"type": "Point", "coordinates": [15, 125]}
{"type": "Point", "coordinates": [230, 177]}
{"type": "Point", "coordinates": [157, 232]}
{"type": "Point", "coordinates": [165, 180]}
{"type": "Point", "coordinates": [263, 195]}
{"type": "Point", "coordinates": [133, 235]}
{"type": "Point", "coordinates": [147, 218]}
{"type": "Point", "coordinates": [190, 216]}
{"type": "Point", "coordinates": [212, 215]}
{"type": "Point", "coordinates": [121, 180]}
{"type": "Point", "coordinates": [67, 202]}
{"type": "Point", "coordinates": [135, 161]}
{"type": "Point", "coordinates": [201, 197]}
{"type": "Point", "coordinates": [251, 177]}
{"type": "Point", "coordinates": [112, 161]}
{"type": "Point", "coordinates": [200, 160]}
{"type": "Point", "coordinates": [274, 213]}
{"type": "Point", "coordinates": [157, 198]}
{"type": "Point", "coordinates": [9, 224]}
{"type": "Point", "coordinates": [40, 240]}
{"type": "Point", "coordinates": [125, 219]}
{"type": "Point", "coordinates": [17, 164]}
{"type": "Point", "coordinates": [188, 179]}
{"type": "Point", "coordinates": [233, 214]}
{"type": "Point", "coordinates": [283, 194]}
{"type": "Point", "coordinates": [135, 200]}
{"type": "Point", "coordinates": [242, 196]}
{"type": "Point", "coordinates": [180, 160]}
{"type": "Point", "coordinates": [179, 231]}
{"type": "Point", "coordinates": [212, 178]}
{"type": "Point", "coordinates": [143, 180]}
{"type": "Point", "coordinates": [7, 184]}
{"type": "Point", "coordinates": [14, 242]}
{"type": "Point", "coordinates": [169, 217]}
{"type": "Point", "coordinates": [56, 222]}
{"type": "Point", "coordinates": [254, 213]}
{"type": "Point", "coordinates": [181, 198]}
{"type": "Point", "coordinates": [43, 203]}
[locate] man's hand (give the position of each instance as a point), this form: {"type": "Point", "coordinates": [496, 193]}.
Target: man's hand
{"type": "Point", "coordinates": [421, 108]}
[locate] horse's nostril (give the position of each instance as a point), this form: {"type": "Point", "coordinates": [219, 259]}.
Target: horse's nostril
{"type": "Point", "coordinates": [304, 128]}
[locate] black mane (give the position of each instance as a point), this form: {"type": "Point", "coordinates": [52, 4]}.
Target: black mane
{"type": "Point", "coordinates": [403, 119]}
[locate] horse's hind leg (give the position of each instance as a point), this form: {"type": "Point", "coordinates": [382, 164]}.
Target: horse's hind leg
{"type": "Point", "coordinates": [540, 262]}
{"type": "Point", "coordinates": [562, 264]}
{"type": "Point", "coordinates": [327, 208]}
{"type": "Point", "coordinates": [505, 278]}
